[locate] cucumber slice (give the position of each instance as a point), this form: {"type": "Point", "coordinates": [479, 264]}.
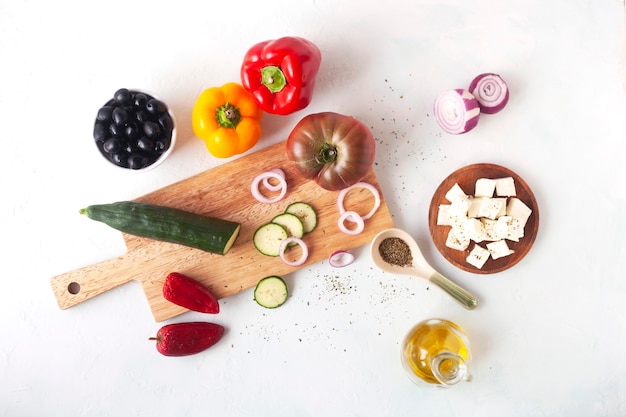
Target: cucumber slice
{"type": "Point", "coordinates": [267, 238]}
{"type": "Point", "coordinates": [306, 213]}
{"type": "Point", "coordinates": [291, 223]}
{"type": "Point", "coordinates": [271, 292]}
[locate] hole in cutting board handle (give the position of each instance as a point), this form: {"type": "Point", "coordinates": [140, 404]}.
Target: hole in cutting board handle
{"type": "Point", "coordinates": [73, 288]}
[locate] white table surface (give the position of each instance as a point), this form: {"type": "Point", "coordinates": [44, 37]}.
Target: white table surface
{"type": "Point", "coordinates": [548, 337]}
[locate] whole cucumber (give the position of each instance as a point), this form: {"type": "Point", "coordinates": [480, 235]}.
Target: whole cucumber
{"type": "Point", "coordinates": [167, 224]}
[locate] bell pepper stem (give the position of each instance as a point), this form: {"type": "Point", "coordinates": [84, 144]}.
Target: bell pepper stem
{"type": "Point", "coordinates": [227, 116]}
{"type": "Point", "coordinates": [273, 78]}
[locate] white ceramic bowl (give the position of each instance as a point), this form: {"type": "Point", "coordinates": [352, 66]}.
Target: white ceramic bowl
{"type": "Point", "coordinates": [106, 120]}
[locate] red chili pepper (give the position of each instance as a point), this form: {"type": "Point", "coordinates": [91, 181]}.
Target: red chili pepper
{"type": "Point", "coordinates": [189, 293]}
{"type": "Point", "coordinates": [280, 74]}
{"type": "Point", "coordinates": [182, 339]}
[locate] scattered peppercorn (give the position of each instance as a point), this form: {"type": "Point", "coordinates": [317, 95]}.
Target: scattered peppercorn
{"type": "Point", "coordinates": [395, 251]}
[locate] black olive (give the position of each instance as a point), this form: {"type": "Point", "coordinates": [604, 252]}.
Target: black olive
{"type": "Point", "coordinates": [111, 146]}
{"type": "Point", "coordinates": [120, 159]}
{"type": "Point", "coordinates": [166, 122]}
{"type": "Point", "coordinates": [137, 161]}
{"type": "Point", "coordinates": [131, 147]}
{"type": "Point", "coordinates": [151, 129]}
{"type": "Point", "coordinates": [141, 116]}
{"type": "Point", "coordinates": [100, 132]}
{"type": "Point", "coordinates": [123, 96]}
{"type": "Point", "coordinates": [120, 116]}
{"type": "Point", "coordinates": [140, 100]}
{"type": "Point", "coordinates": [116, 130]}
{"type": "Point", "coordinates": [155, 106]}
{"type": "Point", "coordinates": [145, 144]}
{"type": "Point", "coordinates": [162, 145]}
{"type": "Point", "coordinates": [104, 113]}
{"type": "Point", "coordinates": [131, 131]}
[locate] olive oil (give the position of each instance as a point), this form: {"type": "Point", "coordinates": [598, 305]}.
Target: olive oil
{"type": "Point", "coordinates": [436, 352]}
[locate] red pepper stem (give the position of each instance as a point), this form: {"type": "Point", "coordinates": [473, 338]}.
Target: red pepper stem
{"type": "Point", "coordinates": [273, 78]}
{"type": "Point", "coordinates": [227, 116]}
{"type": "Point", "coordinates": [328, 153]}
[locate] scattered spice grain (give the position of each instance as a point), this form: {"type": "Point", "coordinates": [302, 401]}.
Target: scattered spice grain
{"type": "Point", "coordinates": [395, 251]}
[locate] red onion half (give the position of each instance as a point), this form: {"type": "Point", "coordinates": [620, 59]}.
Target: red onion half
{"type": "Point", "coordinates": [457, 111]}
{"type": "Point", "coordinates": [490, 91]}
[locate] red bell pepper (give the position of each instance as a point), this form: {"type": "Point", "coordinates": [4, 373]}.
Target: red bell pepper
{"type": "Point", "coordinates": [182, 339]}
{"type": "Point", "coordinates": [280, 74]}
{"type": "Point", "coordinates": [189, 293]}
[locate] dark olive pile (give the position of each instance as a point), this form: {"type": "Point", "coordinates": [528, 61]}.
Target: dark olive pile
{"type": "Point", "coordinates": [133, 129]}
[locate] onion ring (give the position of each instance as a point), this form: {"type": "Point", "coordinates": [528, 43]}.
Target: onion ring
{"type": "Point", "coordinates": [266, 183]}
{"type": "Point", "coordinates": [340, 258]}
{"type": "Point", "coordinates": [283, 246]}
{"type": "Point", "coordinates": [367, 186]}
{"type": "Point", "coordinates": [356, 218]}
{"type": "Point", "coordinates": [256, 193]}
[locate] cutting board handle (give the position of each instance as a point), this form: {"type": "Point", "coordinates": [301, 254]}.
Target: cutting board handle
{"type": "Point", "coordinates": [82, 284]}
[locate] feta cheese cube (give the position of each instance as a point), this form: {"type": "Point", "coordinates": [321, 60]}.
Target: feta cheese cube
{"type": "Point", "coordinates": [443, 216]}
{"type": "Point", "coordinates": [478, 256]}
{"type": "Point", "coordinates": [455, 191]}
{"type": "Point", "coordinates": [474, 229]}
{"type": "Point", "coordinates": [517, 208]}
{"type": "Point", "coordinates": [491, 207]}
{"type": "Point", "coordinates": [502, 211]}
{"type": "Point", "coordinates": [474, 208]}
{"type": "Point", "coordinates": [493, 230]}
{"type": "Point", "coordinates": [498, 249]}
{"type": "Point", "coordinates": [459, 207]}
{"type": "Point", "coordinates": [512, 227]}
{"type": "Point", "coordinates": [505, 187]}
{"type": "Point", "coordinates": [457, 239]}
{"type": "Point", "coordinates": [484, 187]}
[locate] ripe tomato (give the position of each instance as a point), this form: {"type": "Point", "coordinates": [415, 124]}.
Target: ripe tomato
{"type": "Point", "coordinates": [334, 150]}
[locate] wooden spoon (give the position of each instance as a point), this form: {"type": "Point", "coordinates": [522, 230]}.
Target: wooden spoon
{"type": "Point", "coordinates": [419, 267]}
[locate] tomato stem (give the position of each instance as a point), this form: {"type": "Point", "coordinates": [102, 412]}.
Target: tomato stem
{"type": "Point", "coordinates": [328, 153]}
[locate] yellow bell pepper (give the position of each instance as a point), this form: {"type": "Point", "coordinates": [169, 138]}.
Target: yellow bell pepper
{"type": "Point", "coordinates": [228, 119]}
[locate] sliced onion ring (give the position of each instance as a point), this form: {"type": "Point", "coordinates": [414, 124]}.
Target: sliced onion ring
{"type": "Point", "coordinates": [273, 187]}
{"type": "Point", "coordinates": [457, 111]}
{"type": "Point", "coordinates": [256, 193]}
{"type": "Point", "coordinates": [491, 92]}
{"type": "Point", "coordinates": [354, 217]}
{"type": "Point", "coordinates": [340, 258]}
{"type": "Point", "coordinates": [283, 247]}
{"type": "Point", "coordinates": [367, 186]}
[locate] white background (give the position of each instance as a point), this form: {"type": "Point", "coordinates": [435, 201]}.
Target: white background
{"type": "Point", "coordinates": [549, 335]}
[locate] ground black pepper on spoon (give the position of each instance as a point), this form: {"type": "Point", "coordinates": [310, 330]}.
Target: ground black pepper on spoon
{"type": "Point", "coordinates": [395, 251]}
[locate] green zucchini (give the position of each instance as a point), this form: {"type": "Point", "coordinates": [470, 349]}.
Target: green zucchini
{"type": "Point", "coordinates": [291, 223]}
{"type": "Point", "coordinates": [305, 213]}
{"type": "Point", "coordinates": [271, 292]}
{"type": "Point", "coordinates": [167, 224]}
{"type": "Point", "coordinates": [268, 237]}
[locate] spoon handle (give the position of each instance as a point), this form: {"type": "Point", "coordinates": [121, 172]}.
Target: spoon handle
{"type": "Point", "coordinates": [464, 297]}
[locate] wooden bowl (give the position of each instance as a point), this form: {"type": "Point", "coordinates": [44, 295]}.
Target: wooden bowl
{"type": "Point", "coordinates": [466, 178]}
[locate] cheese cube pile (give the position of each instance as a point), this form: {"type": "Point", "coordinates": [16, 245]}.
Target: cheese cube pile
{"type": "Point", "coordinates": [493, 214]}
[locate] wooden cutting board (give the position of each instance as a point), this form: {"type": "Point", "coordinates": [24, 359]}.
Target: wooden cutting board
{"type": "Point", "coordinates": [223, 192]}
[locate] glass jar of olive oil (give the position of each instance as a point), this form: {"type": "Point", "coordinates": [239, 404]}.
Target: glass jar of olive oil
{"type": "Point", "coordinates": [436, 353]}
